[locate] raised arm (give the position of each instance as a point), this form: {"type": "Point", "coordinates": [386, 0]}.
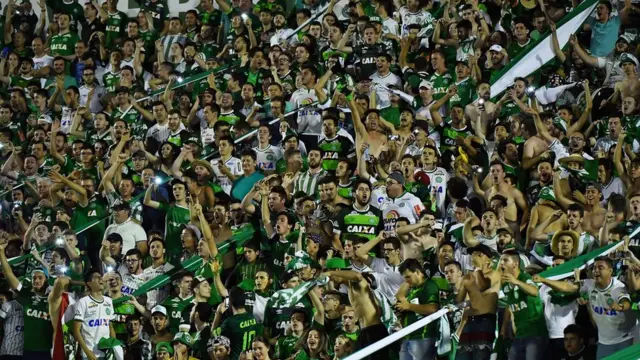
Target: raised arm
{"type": "Point", "coordinates": [435, 108]}
{"type": "Point", "coordinates": [6, 268]}
{"type": "Point", "coordinates": [363, 252]}
{"type": "Point", "coordinates": [147, 197]}
{"type": "Point", "coordinates": [575, 127]}
{"type": "Point", "coordinates": [467, 232]}
{"type": "Point", "coordinates": [53, 151]}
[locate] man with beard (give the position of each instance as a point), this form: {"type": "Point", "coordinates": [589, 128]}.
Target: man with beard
{"type": "Point", "coordinates": [160, 323]}
{"type": "Point", "coordinates": [416, 238]}
{"type": "Point", "coordinates": [506, 241]}
{"type": "Point", "coordinates": [35, 306]}
{"type": "Point", "coordinates": [577, 144]}
{"type": "Point", "coordinates": [158, 267]}
{"type": "Point", "coordinates": [508, 152]}
{"type": "Point", "coordinates": [360, 218]}
{"type": "Point", "coordinates": [93, 317]}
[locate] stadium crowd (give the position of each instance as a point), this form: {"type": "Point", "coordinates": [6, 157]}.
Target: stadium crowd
{"type": "Point", "coordinates": [296, 180]}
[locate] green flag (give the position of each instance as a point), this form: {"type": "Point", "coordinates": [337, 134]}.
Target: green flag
{"type": "Point", "coordinates": [566, 270]}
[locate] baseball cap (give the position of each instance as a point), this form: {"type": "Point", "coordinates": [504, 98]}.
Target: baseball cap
{"type": "Point", "coordinates": [184, 338]}
{"type": "Point", "coordinates": [159, 309]}
{"type": "Point", "coordinates": [164, 346]}
{"type": "Point", "coordinates": [505, 229]}
{"type": "Point", "coordinates": [196, 232]}
{"type": "Point", "coordinates": [426, 84]}
{"type": "Point", "coordinates": [496, 48]}
{"type": "Point", "coordinates": [114, 237]}
{"type": "Point", "coordinates": [217, 341]}
{"type": "Point", "coordinates": [397, 176]}
{"type": "Point", "coordinates": [628, 58]}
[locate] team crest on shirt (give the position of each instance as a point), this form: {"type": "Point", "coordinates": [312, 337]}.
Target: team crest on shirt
{"type": "Point", "coordinates": [108, 311]}
{"type": "Point", "coordinates": [439, 179]}
{"type": "Point", "coordinates": [401, 204]}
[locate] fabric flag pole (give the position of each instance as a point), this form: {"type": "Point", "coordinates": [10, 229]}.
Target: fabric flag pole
{"type": "Point", "coordinates": [566, 270]}
{"type": "Point", "coordinates": [540, 52]}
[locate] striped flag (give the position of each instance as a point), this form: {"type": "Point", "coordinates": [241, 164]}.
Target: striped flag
{"type": "Point", "coordinates": [540, 52]}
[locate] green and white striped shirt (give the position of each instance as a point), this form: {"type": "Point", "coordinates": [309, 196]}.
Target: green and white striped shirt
{"type": "Point", "coordinates": [307, 182]}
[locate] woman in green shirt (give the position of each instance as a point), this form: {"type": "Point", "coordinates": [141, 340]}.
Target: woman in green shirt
{"type": "Point", "coordinates": [313, 345]}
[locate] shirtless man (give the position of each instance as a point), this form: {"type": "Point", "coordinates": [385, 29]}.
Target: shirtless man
{"type": "Point", "coordinates": [515, 199]}
{"type": "Point", "coordinates": [372, 132]}
{"type": "Point", "coordinates": [481, 288]}
{"type": "Point", "coordinates": [629, 86]}
{"type": "Point", "coordinates": [535, 148]}
{"type": "Point", "coordinates": [365, 307]}
{"type": "Point", "coordinates": [594, 213]}
{"type": "Point", "coordinates": [488, 237]}
{"type": "Point", "coordinates": [417, 238]}
{"type": "Point", "coordinates": [546, 218]}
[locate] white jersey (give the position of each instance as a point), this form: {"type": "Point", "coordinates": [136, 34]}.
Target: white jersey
{"type": "Point", "coordinates": [157, 296]}
{"type": "Point", "coordinates": [95, 317]}
{"type": "Point", "coordinates": [390, 26]}
{"type": "Point", "coordinates": [130, 282]}
{"type": "Point", "coordinates": [491, 242]}
{"type": "Point", "coordinates": [438, 186]}
{"type": "Point", "coordinates": [383, 96]}
{"type": "Point", "coordinates": [94, 106]}
{"type": "Point", "coordinates": [267, 158]}
{"type": "Point", "coordinates": [309, 117]}
{"type": "Point", "coordinates": [421, 17]}
{"type": "Point", "coordinates": [615, 186]}
{"type": "Point", "coordinates": [41, 62]}
{"type": "Point", "coordinates": [388, 278]}
{"type": "Point", "coordinates": [235, 167]}
{"type": "Point", "coordinates": [12, 316]}
{"type": "Point", "coordinates": [406, 205]}
{"type": "Point", "coordinates": [613, 326]}
{"type": "Point", "coordinates": [557, 317]}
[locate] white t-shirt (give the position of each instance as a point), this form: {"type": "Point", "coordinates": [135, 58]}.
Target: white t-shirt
{"type": "Point", "coordinates": [267, 158]}
{"type": "Point", "coordinates": [557, 317]}
{"type": "Point", "coordinates": [95, 317]}
{"type": "Point", "coordinates": [406, 205]}
{"type": "Point", "coordinates": [309, 118]}
{"type": "Point", "coordinates": [438, 186]}
{"type": "Point", "coordinates": [131, 233]}
{"type": "Point", "coordinates": [388, 278]}
{"type": "Point", "coordinates": [384, 97]}
{"type": "Point", "coordinates": [41, 62]}
{"type": "Point", "coordinates": [613, 327]}
{"type": "Point", "coordinates": [234, 165]}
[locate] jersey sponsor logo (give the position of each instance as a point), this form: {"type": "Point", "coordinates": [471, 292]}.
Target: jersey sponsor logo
{"type": "Point", "coordinates": [518, 306]}
{"type": "Point", "coordinates": [247, 323]}
{"type": "Point", "coordinates": [38, 314]}
{"type": "Point", "coordinates": [98, 322]}
{"type": "Point", "coordinates": [176, 314]}
{"type": "Point", "coordinates": [361, 229]}
{"type": "Point", "coordinates": [19, 328]}
{"type": "Point", "coordinates": [600, 310]}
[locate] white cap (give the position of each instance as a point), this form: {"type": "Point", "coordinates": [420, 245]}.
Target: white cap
{"type": "Point", "coordinates": [495, 47]}
{"type": "Point", "coordinates": [426, 84]}
{"type": "Point", "coordinates": [159, 309]}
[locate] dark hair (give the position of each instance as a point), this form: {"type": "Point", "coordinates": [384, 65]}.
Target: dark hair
{"type": "Point", "coordinates": [328, 179]}
{"type": "Point", "coordinates": [361, 181]}
{"type": "Point", "coordinates": [500, 198]}
{"type": "Point", "coordinates": [412, 265]}
{"type": "Point", "coordinates": [576, 207]}
{"type": "Point", "coordinates": [618, 202]}
{"type": "Point", "coordinates": [89, 274]}
{"type": "Point", "coordinates": [576, 330]}
{"type": "Point", "coordinates": [311, 68]}
{"type": "Point", "coordinates": [133, 252]}
{"type": "Point", "coordinates": [394, 241]}
{"type": "Point", "coordinates": [457, 188]}
{"type": "Point", "coordinates": [605, 259]}
{"type": "Point", "coordinates": [237, 297]}
{"type": "Point", "coordinates": [447, 243]}
{"type": "Point", "coordinates": [454, 263]}
{"type": "Point", "coordinates": [249, 152]}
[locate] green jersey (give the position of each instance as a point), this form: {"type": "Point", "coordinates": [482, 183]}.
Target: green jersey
{"type": "Point", "coordinates": [111, 81]}
{"type": "Point", "coordinates": [64, 44]}
{"type": "Point", "coordinates": [351, 221]}
{"type": "Point", "coordinates": [149, 37]}
{"type": "Point", "coordinates": [93, 137]}
{"type": "Point", "coordinates": [74, 9]}
{"type": "Point", "coordinates": [466, 93]}
{"type": "Point", "coordinates": [527, 311]}
{"type": "Point", "coordinates": [116, 26]}
{"type": "Point", "coordinates": [121, 312]}
{"type": "Point", "coordinates": [177, 217]}
{"type": "Point", "coordinates": [240, 329]}
{"type": "Point", "coordinates": [449, 134]}
{"type": "Point", "coordinates": [36, 319]}
{"type": "Point", "coordinates": [276, 251]}
{"type": "Point", "coordinates": [94, 212]}
{"type": "Point", "coordinates": [334, 149]}
{"type": "Point", "coordinates": [277, 320]}
{"type": "Point", "coordinates": [20, 81]}
{"type": "Point", "coordinates": [285, 347]}
{"type": "Point", "coordinates": [440, 84]}
{"type": "Point", "coordinates": [177, 308]}
{"type": "Point", "coordinates": [427, 293]}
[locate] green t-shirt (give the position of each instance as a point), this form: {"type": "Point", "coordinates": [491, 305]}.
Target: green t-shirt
{"type": "Point", "coordinates": [240, 329]}
{"type": "Point", "coordinates": [466, 93]}
{"type": "Point", "coordinates": [428, 293]}
{"type": "Point", "coordinates": [74, 9]}
{"type": "Point", "coordinates": [111, 81]}
{"type": "Point", "coordinates": [277, 320]}
{"type": "Point", "coordinates": [527, 311]}
{"type": "Point", "coordinates": [36, 320]}
{"type": "Point", "coordinates": [440, 84]}
{"type": "Point", "coordinates": [64, 44]}
{"type": "Point", "coordinates": [115, 28]}
{"type": "Point", "coordinates": [285, 347]}
{"type": "Point", "coordinates": [176, 307]}
{"type": "Point", "coordinates": [177, 218]}
{"type": "Point", "coordinates": [367, 223]}
{"type": "Point", "coordinates": [334, 149]}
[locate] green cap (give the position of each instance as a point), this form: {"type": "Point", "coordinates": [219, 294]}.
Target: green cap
{"type": "Point", "coordinates": [560, 123]}
{"type": "Point", "coordinates": [546, 193]}
{"type": "Point", "coordinates": [184, 338]}
{"type": "Point", "coordinates": [300, 261]}
{"type": "Point", "coordinates": [164, 346]}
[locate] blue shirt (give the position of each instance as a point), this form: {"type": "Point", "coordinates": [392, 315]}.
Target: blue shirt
{"type": "Point", "coordinates": [243, 185]}
{"type": "Point", "coordinates": [603, 36]}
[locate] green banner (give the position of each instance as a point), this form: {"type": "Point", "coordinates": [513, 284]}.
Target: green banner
{"type": "Point", "coordinates": [630, 353]}
{"type": "Point", "coordinates": [566, 270]}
